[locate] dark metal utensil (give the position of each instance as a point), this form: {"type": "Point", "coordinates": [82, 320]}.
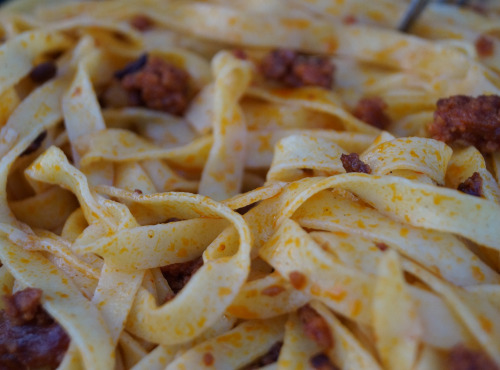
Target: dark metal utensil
{"type": "Point", "coordinates": [412, 13]}
{"type": "Point", "coordinates": [416, 8]}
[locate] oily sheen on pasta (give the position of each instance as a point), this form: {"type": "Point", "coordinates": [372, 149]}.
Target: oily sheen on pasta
{"type": "Point", "coordinates": [281, 184]}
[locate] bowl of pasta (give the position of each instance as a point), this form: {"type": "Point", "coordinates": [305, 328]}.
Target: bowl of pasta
{"type": "Point", "coordinates": [249, 185]}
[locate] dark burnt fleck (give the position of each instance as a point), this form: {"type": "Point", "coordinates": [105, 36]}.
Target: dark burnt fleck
{"type": "Point", "coordinates": [132, 67]}
{"type": "Point", "coordinates": [269, 357]}
{"type": "Point", "coordinates": [322, 362]}
{"type": "Point", "coordinates": [246, 208]}
{"type": "Point", "coordinates": [43, 72]}
{"type": "Point", "coordinates": [172, 219]}
{"type": "Point", "coordinates": [36, 144]}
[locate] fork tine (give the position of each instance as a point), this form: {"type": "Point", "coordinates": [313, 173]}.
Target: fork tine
{"type": "Point", "coordinates": [412, 13]}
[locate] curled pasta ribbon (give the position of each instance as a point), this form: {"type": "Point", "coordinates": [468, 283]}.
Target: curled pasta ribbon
{"type": "Point", "coordinates": [255, 336]}
{"type": "Point", "coordinates": [211, 289]}
{"type": "Point", "coordinates": [444, 253]}
{"type": "Point", "coordinates": [262, 143]}
{"type": "Point", "coordinates": [222, 175]}
{"type": "Point", "coordinates": [436, 208]}
{"type": "Point", "coordinates": [296, 153]}
{"type": "Point", "coordinates": [267, 297]}
{"type": "Point", "coordinates": [463, 164]}
{"type": "Point", "coordinates": [115, 289]}
{"type": "Point", "coordinates": [317, 100]}
{"type": "Point", "coordinates": [425, 156]}
{"type": "Point", "coordinates": [18, 54]}
{"type": "Point", "coordinates": [116, 145]}
{"type": "Point", "coordinates": [53, 168]}
{"type": "Point", "coordinates": [392, 306]}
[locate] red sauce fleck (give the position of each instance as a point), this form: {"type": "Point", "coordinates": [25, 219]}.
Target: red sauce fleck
{"type": "Point", "coordinates": [297, 279]}
{"type": "Point", "coordinates": [208, 359]}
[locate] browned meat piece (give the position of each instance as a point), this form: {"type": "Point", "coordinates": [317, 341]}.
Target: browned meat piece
{"type": "Point", "coordinates": [315, 326]}
{"type": "Point", "coordinates": [349, 19]}
{"type": "Point", "coordinates": [269, 357]}
{"type": "Point", "coordinates": [23, 305]}
{"type": "Point", "coordinates": [484, 46]}
{"type": "Point", "coordinates": [141, 22]}
{"type": "Point", "coordinates": [29, 337]}
{"type": "Point", "coordinates": [371, 110]}
{"type": "Point", "coordinates": [473, 185]}
{"type": "Point", "coordinates": [468, 121]}
{"type": "Point", "coordinates": [322, 362]}
{"type": "Point", "coordinates": [462, 358]}
{"type": "Point", "coordinates": [156, 84]}
{"type": "Point", "coordinates": [240, 54]}
{"type": "Point", "coordinates": [178, 274]}
{"type": "Point", "coordinates": [43, 72]}
{"type": "Point", "coordinates": [352, 163]}
{"type": "Point", "coordinates": [382, 246]}
{"type": "Point", "coordinates": [296, 69]}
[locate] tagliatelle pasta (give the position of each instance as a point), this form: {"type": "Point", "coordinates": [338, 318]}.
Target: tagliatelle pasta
{"type": "Point", "coordinates": [249, 184]}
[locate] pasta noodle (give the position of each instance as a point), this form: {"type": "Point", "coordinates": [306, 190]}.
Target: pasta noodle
{"type": "Point", "coordinates": [249, 184]}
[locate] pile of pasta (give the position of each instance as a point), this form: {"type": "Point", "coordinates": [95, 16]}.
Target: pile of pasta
{"type": "Point", "coordinates": [399, 266]}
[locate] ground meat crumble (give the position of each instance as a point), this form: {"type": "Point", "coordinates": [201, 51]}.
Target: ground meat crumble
{"type": "Point", "coordinates": [296, 69]}
{"type": "Point", "coordinates": [315, 326]}
{"type": "Point", "coordinates": [473, 185]}
{"type": "Point", "coordinates": [29, 336]}
{"type": "Point", "coordinates": [153, 83]}
{"type": "Point", "coordinates": [382, 246]}
{"type": "Point", "coordinates": [141, 22]}
{"type": "Point", "coordinates": [463, 358]}
{"type": "Point", "coordinates": [178, 274]}
{"type": "Point", "coordinates": [484, 46]}
{"type": "Point", "coordinates": [468, 121]}
{"type": "Point", "coordinates": [352, 163]}
{"type": "Point", "coordinates": [372, 111]}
